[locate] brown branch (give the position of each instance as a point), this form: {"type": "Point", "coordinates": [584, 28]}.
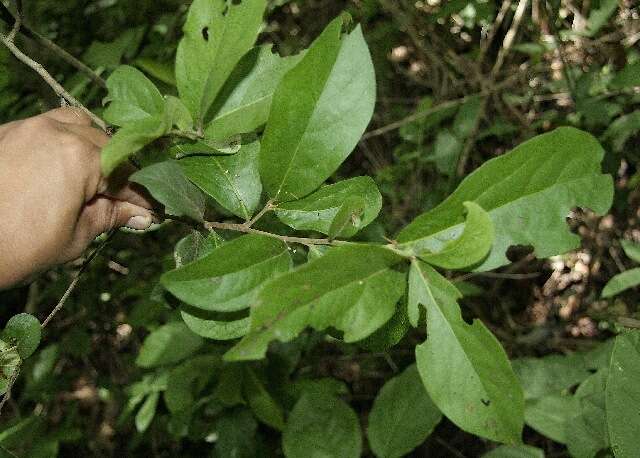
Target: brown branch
{"type": "Point", "coordinates": [267, 208]}
{"type": "Point", "coordinates": [50, 80]}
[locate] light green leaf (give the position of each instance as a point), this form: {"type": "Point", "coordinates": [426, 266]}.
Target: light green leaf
{"type": "Point", "coordinates": [486, 399]}
{"type": "Point", "coordinates": [528, 193]}
{"type": "Point", "coordinates": [132, 138]}
{"type": "Point", "coordinates": [9, 363]}
{"type": "Point", "coordinates": [233, 181]}
{"type": "Point", "coordinates": [587, 431]}
{"type": "Point", "coordinates": [402, 417]}
{"type": "Point", "coordinates": [631, 249]}
{"type": "Point", "coordinates": [446, 152]}
{"type": "Point", "coordinates": [471, 246]}
{"type": "Point", "coordinates": [261, 402]}
{"type": "Point", "coordinates": [348, 218]}
{"type": "Point", "coordinates": [322, 426]}
{"type": "Point", "coordinates": [178, 113]}
{"type": "Point", "coordinates": [550, 375]}
{"type": "Point", "coordinates": [245, 99]}
{"type": "Point", "coordinates": [133, 97]}
{"type": "Point", "coordinates": [23, 330]}
{"type": "Point", "coordinates": [628, 77]}
{"type": "Point", "coordinates": [550, 415]}
{"type": "Point", "coordinates": [319, 111]}
{"type": "Point", "coordinates": [351, 288]}
{"type": "Point", "coordinates": [216, 329]}
{"type": "Point", "coordinates": [217, 34]}
{"type": "Point", "coordinates": [427, 288]}
{"type": "Point", "coordinates": [187, 380]}
{"type": "Point", "coordinates": [162, 71]}
{"type": "Point", "coordinates": [145, 415]}
{"type": "Point", "coordinates": [623, 281]}
{"type": "Point", "coordinates": [228, 278]}
{"type": "Point", "coordinates": [316, 211]}
{"type": "Point", "coordinates": [168, 344]}
{"type": "Point", "coordinates": [623, 395]}
{"type": "Point", "coordinates": [515, 451]}
{"type": "Point", "coordinates": [108, 55]}
{"type": "Point", "coordinates": [168, 185]}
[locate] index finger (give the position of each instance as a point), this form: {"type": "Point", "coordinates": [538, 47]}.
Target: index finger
{"type": "Point", "coordinates": [69, 115]}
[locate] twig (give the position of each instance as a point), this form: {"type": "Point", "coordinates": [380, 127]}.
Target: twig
{"type": "Point", "coordinates": [8, 18]}
{"type": "Point", "coordinates": [248, 230]}
{"type": "Point", "coordinates": [268, 207]}
{"type": "Point", "coordinates": [50, 80]}
{"type": "Point", "coordinates": [509, 37]}
{"type": "Point", "coordinates": [17, 21]}
{"type": "Point", "coordinates": [185, 134]}
{"type": "Point", "coordinates": [74, 282]}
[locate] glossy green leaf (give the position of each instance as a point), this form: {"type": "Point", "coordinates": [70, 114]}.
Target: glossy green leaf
{"type": "Point", "coordinates": [227, 279]}
{"type": "Point", "coordinates": [402, 417]}
{"type": "Point", "coordinates": [550, 375]}
{"type": "Point", "coordinates": [263, 405]}
{"type": "Point", "coordinates": [348, 218]}
{"type": "Point", "coordinates": [187, 380]}
{"type": "Point", "coordinates": [623, 396]}
{"type": "Point", "coordinates": [217, 33]}
{"type": "Point", "coordinates": [166, 182]}
{"type": "Point", "coordinates": [245, 100]}
{"type": "Point", "coordinates": [25, 331]}
{"type": "Point", "coordinates": [515, 451]}
{"type": "Point", "coordinates": [528, 193]}
{"type": "Point", "coordinates": [319, 111]}
{"type": "Point", "coordinates": [631, 249]}
{"type": "Point", "coordinates": [486, 399]}
{"type": "Point", "coordinates": [147, 412]}
{"type": "Point", "coordinates": [132, 97]}
{"type": "Point", "coordinates": [351, 288]}
{"type": "Point", "coordinates": [550, 415]}
{"type": "Point", "coordinates": [216, 329]}
{"type": "Point", "coordinates": [322, 426]}
{"type": "Point", "coordinates": [317, 211]}
{"type": "Point", "coordinates": [168, 344]}
{"type": "Point", "coordinates": [587, 432]}
{"type": "Point", "coordinates": [621, 282]}
{"type": "Point", "coordinates": [233, 181]}
{"type": "Point", "coordinates": [471, 246]}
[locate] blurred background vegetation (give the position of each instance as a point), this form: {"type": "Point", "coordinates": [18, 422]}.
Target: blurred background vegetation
{"type": "Point", "coordinates": [459, 82]}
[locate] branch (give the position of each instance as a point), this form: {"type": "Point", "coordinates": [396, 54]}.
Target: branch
{"type": "Point", "coordinates": [9, 19]}
{"type": "Point", "coordinates": [50, 80]}
{"type": "Point", "coordinates": [248, 230]}
{"type": "Point", "coordinates": [267, 208]}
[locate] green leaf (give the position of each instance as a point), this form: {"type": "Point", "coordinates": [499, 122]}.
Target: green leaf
{"type": "Point", "coordinates": [216, 329]}
{"type": "Point", "coordinates": [628, 77]}
{"type": "Point", "coordinates": [467, 117]}
{"type": "Point", "coordinates": [133, 97]}
{"type": "Point", "coordinates": [515, 451]}
{"type": "Point", "coordinates": [621, 130]}
{"type": "Point", "coordinates": [317, 211]}
{"type": "Point", "coordinates": [9, 363]}
{"type": "Point", "coordinates": [265, 408]}
{"type": "Point", "coordinates": [446, 152]}
{"type": "Point", "coordinates": [178, 113]}
{"type": "Point", "coordinates": [551, 375]}
{"type": "Point", "coordinates": [402, 417]}
{"type": "Point", "coordinates": [319, 111]}
{"type": "Point", "coordinates": [471, 246]}
{"type": "Point", "coordinates": [168, 344]}
{"type": "Point", "coordinates": [351, 288]}
{"type": "Point", "coordinates": [25, 331]}
{"type": "Point", "coordinates": [322, 426]}
{"type": "Point", "coordinates": [162, 71]}
{"type": "Point", "coordinates": [623, 395]}
{"type": "Point", "coordinates": [233, 181]}
{"type": "Point", "coordinates": [600, 16]}
{"type": "Point", "coordinates": [348, 218]}
{"type": "Point", "coordinates": [489, 403]}
{"type": "Point", "coordinates": [236, 434]}
{"type": "Point", "coordinates": [631, 249]}
{"type": "Point", "coordinates": [427, 288]}
{"type": "Point", "coordinates": [168, 185]}
{"type": "Point", "coordinates": [390, 334]}
{"type": "Point", "coordinates": [528, 193]}
{"type": "Point", "coordinates": [550, 415]}
{"type": "Point", "coordinates": [217, 33]}
{"type": "Point", "coordinates": [228, 278]}
{"type": "Point", "coordinates": [623, 281]}
{"type": "Point", "coordinates": [195, 246]}
{"type": "Point", "coordinates": [145, 415]}
{"type": "Point", "coordinates": [131, 139]}
{"type": "Point", "coordinates": [587, 432]}
{"type": "Point", "coordinates": [245, 100]}
{"type": "Point", "coordinates": [187, 380]}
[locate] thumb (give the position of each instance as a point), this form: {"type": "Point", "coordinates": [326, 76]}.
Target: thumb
{"type": "Point", "coordinates": [103, 214]}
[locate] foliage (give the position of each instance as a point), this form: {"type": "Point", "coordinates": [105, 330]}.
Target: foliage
{"type": "Point", "coordinates": [280, 255]}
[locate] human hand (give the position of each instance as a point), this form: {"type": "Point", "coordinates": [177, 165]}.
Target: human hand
{"type": "Point", "coordinates": [53, 199]}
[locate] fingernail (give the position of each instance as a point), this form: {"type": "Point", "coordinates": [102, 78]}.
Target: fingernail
{"type": "Point", "coordinates": [139, 222]}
